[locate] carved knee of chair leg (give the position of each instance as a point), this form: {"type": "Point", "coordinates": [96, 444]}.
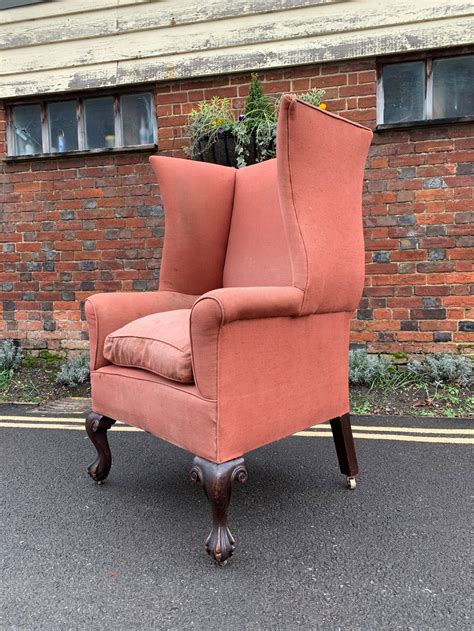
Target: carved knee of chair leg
{"type": "Point", "coordinates": [96, 428]}
{"type": "Point", "coordinates": [217, 480]}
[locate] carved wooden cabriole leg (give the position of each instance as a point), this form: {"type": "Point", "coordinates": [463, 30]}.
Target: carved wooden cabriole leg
{"type": "Point", "coordinates": [216, 480]}
{"type": "Point", "coordinates": [96, 428]}
{"type": "Point", "coordinates": [345, 448]}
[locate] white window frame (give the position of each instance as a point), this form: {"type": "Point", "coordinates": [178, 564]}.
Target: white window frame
{"type": "Point", "coordinates": [82, 148]}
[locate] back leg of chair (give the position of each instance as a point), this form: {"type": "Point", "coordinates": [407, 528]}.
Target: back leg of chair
{"type": "Point", "coordinates": [96, 428]}
{"type": "Point", "coordinates": [217, 480]}
{"type": "Point", "coordinates": [345, 448]}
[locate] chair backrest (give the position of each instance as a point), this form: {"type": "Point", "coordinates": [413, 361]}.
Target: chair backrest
{"type": "Point", "coordinates": [257, 250]}
{"type": "Point", "coordinates": [294, 221]}
{"type": "Point", "coordinates": [321, 159]}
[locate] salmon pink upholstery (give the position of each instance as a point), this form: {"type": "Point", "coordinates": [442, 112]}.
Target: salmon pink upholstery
{"type": "Point", "coordinates": [159, 342]}
{"type": "Point", "coordinates": [173, 411]}
{"type": "Point", "coordinates": [257, 252]}
{"type": "Point", "coordinates": [321, 160]}
{"type": "Point", "coordinates": [106, 313]}
{"type": "Point", "coordinates": [215, 310]}
{"type": "Point", "coordinates": [198, 200]}
{"type": "Point", "coordinates": [269, 259]}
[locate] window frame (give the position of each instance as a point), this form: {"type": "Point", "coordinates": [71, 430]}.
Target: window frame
{"type": "Point", "coordinates": [81, 127]}
{"type": "Point", "coordinates": [428, 59]}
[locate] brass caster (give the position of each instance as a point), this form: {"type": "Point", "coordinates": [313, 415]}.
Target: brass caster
{"type": "Point", "coordinates": [351, 482]}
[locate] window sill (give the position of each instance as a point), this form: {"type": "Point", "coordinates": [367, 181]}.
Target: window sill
{"type": "Point", "coordinates": [74, 154]}
{"type": "Point", "coordinates": [422, 124]}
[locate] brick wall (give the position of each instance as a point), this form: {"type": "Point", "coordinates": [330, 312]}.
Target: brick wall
{"type": "Point", "coordinates": [73, 226]}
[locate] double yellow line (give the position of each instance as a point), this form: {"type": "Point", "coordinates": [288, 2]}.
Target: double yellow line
{"type": "Point", "coordinates": [407, 434]}
{"type": "Point", "coordinates": [370, 432]}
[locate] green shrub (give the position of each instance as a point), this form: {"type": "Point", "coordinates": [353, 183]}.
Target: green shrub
{"type": "Point", "coordinates": [313, 97]}
{"type": "Point", "coordinates": [253, 132]}
{"type": "Point", "coordinates": [74, 371]}
{"type": "Point", "coordinates": [10, 356]}
{"type": "Point", "coordinates": [210, 118]}
{"type": "Point", "coordinates": [365, 369]}
{"type": "Point", "coordinates": [443, 368]}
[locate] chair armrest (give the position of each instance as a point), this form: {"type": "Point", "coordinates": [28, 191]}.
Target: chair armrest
{"type": "Point", "coordinates": [108, 312]}
{"type": "Point", "coordinates": [249, 303]}
{"type": "Point", "coordinates": [220, 307]}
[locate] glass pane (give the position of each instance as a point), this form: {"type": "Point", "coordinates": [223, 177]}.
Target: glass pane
{"type": "Point", "coordinates": [404, 92]}
{"type": "Point", "coordinates": [137, 121]}
{"type": "Point", "coordinates": [453, 87]}
{"type": "Point", "coordinates": [27, 129]}
{"type": "Point", "coordinates": [62, 126]}
{"type": "Point", "coordinates": [99, 122]}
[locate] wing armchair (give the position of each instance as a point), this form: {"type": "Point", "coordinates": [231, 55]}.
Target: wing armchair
{"type": "Point", "coordinates": [247, 339]}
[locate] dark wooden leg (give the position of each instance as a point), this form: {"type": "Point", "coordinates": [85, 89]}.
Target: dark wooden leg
{"type": "Point", "coordinates": [345, 448]}
{"type": "Point", "coordinates": [216, 480]}
{"type": "Point", "coordinates": [96, 428]}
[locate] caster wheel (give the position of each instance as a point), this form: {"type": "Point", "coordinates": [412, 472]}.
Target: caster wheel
{"type": "Point", "coordinates": [351, 482]}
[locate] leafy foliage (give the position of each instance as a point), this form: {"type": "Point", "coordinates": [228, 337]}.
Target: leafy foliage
{"type": "Point", "coordinates": [365, 369]}
{"type": "Point", "coordinates": [314, 97]}
{"type": "Point", "coordinates": [443, 368]}
{"type": "Point", "coordinates": [211, 119]}
{"type": "Point", "coordinates": [258, 104]}
{"type": "Point", "coordinates": [74, 371]}
{"type": "Point", "coordinates": [10, 356]}
{"type": "Point", "coordinates": [254, 132]}
{"type": "Point", "coordinates": [259, 122]}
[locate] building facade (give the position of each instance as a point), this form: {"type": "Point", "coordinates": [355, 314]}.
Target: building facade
{"type": "Point", "coordinates": [90, 89]}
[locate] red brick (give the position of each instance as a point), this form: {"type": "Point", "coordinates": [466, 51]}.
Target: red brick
{"type": "Point", "coordinates": [106, 192]}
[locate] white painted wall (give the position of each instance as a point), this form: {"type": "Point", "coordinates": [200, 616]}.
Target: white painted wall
{"type": "Point", "coordinates": [66, 45]}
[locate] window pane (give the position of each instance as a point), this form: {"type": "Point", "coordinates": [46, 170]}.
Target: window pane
{"type": "Point", "coordinates": [99, 122]}
{"type": "Point", "coordinates": [137, 121]}
{"type": "Point", "coordinates": [27, 129]}
{"type": "Point", "coordinates": [404, 92]}
{"type": "Point", "coordinates": [453, 87]}
{"type": "Point", "coordinates": [62, 126]}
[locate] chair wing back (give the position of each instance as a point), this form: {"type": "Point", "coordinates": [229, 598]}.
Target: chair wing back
{"type": "Point", "coordinates": [257, 252]}
{"type": "Point", "coordinates": [198, 199]}
{"type": "Point", "coordinates": [320, 163]}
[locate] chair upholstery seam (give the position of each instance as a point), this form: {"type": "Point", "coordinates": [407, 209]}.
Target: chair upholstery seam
{"type": "Point", "coordinates": [295, 212]}
{"type": "Point", "coordinates": [167, 385]}
{"type": "Point", "coordinates": [143, 337]}
{"type": "Point", "coordinates": [149, 370]}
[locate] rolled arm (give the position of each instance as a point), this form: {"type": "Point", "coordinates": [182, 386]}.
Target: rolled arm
{"type": "Point", "coordinates": [108, 312]}
{"type": "Point", "coordinates": [221, 307]}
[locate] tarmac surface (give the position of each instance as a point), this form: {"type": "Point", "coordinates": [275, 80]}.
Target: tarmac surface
{"type": "Point", "coordinates": [128, 554]}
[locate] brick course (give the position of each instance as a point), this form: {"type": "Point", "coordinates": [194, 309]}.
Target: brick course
{"type": "Point", "coordinates": [76, 225]}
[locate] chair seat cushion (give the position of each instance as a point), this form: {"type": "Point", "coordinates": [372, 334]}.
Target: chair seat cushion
{"type": "Point", "coordinates": [159, 343]}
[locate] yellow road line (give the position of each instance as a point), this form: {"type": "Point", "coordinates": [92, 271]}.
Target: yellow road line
{"type": "Point", "coordinates": [401, 437]}
{"type": "Point", "coordinates": [413, 430]}
{"type": "Point", "coordinates": [122, 428]}
{"type": "Point", "coordinates": [312, 434]}
{"type": "Point", "coordinates": [49, 419]}
{"type": "Point", "coordinates": [323, 427]}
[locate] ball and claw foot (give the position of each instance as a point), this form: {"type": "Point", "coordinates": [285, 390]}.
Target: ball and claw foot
{"type": "Point", "coordinates": [96, 428]}
{"type": "Point", "coordinates": [351, 482]}
{"type": "Point", "coordinates": [217, 480]}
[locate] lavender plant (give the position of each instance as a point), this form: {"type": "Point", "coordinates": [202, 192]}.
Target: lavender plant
{"type": "Point", "coordinates": [74, 371]}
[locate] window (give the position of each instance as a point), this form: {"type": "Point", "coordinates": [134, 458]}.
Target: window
{"type": "Point", "coordinates": [12, 4]}
{"type": "Point", "coordinates": [85, 124]}
{"type": "Point", "coordinates": [440, 89]}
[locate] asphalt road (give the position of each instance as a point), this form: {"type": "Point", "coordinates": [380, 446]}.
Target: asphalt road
{"type": "Point", "coordinates": [393, 554]}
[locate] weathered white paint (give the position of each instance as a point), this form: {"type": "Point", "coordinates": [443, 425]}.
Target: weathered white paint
{"type": "Point", "coordinates": [81, 44]}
